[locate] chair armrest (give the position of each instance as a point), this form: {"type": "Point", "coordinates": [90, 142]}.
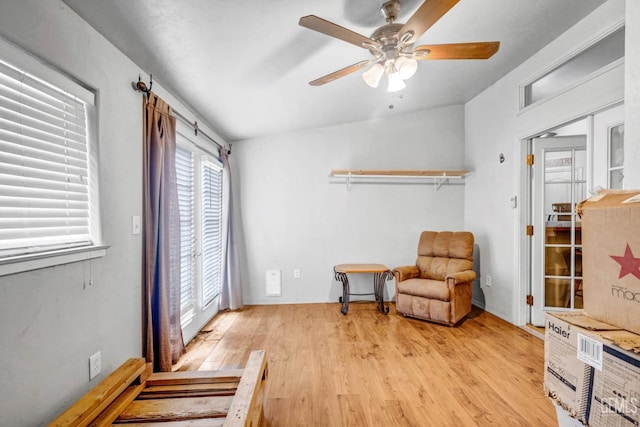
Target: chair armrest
{"type": "Point", "coordinates": [406, 272]}
{"type": "Point", "coordinates": [461, 277]}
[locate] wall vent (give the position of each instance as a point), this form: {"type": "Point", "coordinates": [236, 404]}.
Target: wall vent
{"type": "Point", "coordinates": [273, 283]}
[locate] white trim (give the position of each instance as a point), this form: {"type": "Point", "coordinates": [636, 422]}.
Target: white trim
{"type": "Point", "coordinates": [18, 264]}
{"type": "Point", "coordinates": [38, 68]}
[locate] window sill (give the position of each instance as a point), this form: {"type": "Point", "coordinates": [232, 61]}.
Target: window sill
{"type": "Point", "coordinates": [19, 264]}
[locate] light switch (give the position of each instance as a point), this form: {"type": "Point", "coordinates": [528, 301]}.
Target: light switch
{"type": "Point", "coordinates": [135, 224]}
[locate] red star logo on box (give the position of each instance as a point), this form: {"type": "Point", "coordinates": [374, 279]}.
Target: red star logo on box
{"type": "Point", "coordinates": [628, 263]}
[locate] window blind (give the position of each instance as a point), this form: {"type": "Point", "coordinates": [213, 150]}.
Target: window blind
{"type": "Point", "coordinates": [44, 166]}
{"type": "Point", "coordinates": [211, 232]}
{"type": "Point", "coordinates": [184, 174]}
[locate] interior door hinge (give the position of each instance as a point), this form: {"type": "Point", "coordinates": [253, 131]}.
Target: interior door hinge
{"type": "Point", "coordinates": [529, 230]}
{"type": "Point", "coordinates": [529, 299]}
{"type": "Point", "coordinates": [530, 159]}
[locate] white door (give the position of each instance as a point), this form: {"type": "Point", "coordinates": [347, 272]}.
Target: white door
{"type": "Point", "coordinates": [559, 184]}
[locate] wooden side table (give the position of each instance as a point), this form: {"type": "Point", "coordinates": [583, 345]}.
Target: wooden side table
{"type": "Point", "coordinates": [380, 274]}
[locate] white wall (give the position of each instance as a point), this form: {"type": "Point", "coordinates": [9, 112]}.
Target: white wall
{"type": "Point", "coordinates": [493, 125]}
{"type": "Point", "coordinates": [50, 322]}
{"type": "Point", "coordinates": [632, 96]}
{"type": "Point", "coordinates": [290, 215]}
{"type": "Point", "coordinates": [293, 217]}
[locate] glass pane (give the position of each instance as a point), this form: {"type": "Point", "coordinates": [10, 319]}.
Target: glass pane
{"type": "Point", "coordinates": [580, 160]}
{"type": "Point", "coordinates": [558, 201]}
{"type": "Point", "coordinates": [578, 262]}
{"type": "Point", "coordinates": [615, 179]}
{"type": "Point", "coordinates": [616, 146]}
{"type": "Point", "coordinates": [604, 52]}
{"type": "Point", "coordinates": [558, 235]}
{"type": "Point", "coordinates": [578, 232]}
{"type": "Point", "coordinates": [577, 295]}
{"type": "Point", "coordinates": [557, 165]}
{"type": "Point", "coordinates": [557, 293]}
{"type": "Point", "coordinates": [557, 261]}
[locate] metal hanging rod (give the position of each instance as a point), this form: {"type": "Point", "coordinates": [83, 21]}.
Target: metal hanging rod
{"type": "Point", "coordinates": [141, 86]}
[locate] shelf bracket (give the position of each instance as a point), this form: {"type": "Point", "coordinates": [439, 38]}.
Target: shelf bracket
{"type": "Point", "coordinates": [349, 182]}
{"type": "Point", "coordinates": [440, 181]}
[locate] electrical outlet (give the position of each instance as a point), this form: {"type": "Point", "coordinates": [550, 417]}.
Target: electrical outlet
{"type": "Point", "coordinates": [95, 363]}
{"type": "Point", "coordinates": [488, 281]}
{"type": "Point", "coordinates": [296, 273]}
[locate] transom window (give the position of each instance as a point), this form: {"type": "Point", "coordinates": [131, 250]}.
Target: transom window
{"type": "Point", "coordinates": [579, 66]}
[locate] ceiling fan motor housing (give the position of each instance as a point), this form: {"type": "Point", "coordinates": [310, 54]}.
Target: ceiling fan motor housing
{"type": "Point", "coordinates": [390, 45]}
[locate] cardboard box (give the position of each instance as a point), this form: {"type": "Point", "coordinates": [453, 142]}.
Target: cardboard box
{"type": "Point", "coordinates": [611, 257]}
{"type": "Point", "coordinates": [592, 370]}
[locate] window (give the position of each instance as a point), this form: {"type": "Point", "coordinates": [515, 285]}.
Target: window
{"type": "Point", "coordinates": [48, 159]}
{"type": "Point", "coordinates": [594, 58]}
{"type": "Point", "coordinates": [184, 173]}
{"type": "Point", "coordinates": [616, 156]}
{"type": "Point", "coordinates": [199, 177]}
{"type": "Point", "coordinates": [212, 231]}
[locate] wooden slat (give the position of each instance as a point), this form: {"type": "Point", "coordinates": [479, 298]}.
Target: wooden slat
{"type": "Point", "coordinates": [194, 377]}
{"type": "Point", "coordinates": [98, 398]}
{"type": "Point", "coordinates": [112, 411]}
{"type": "Point", "coordinates": [176, 409]}
{"type": "Point", "coordinates": [189, 390]}
{"type": "Point", "coordinates": [250, 388]}
{"type": "Point", "coordinates": [203, 422]}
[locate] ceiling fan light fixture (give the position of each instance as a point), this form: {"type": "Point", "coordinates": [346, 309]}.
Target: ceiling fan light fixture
{"type": "Point", "coordinates": [407, 67]}
{"type": "Point", "coordinates": [373, 75]}
{"type": "Point", "coordinates": [395, 82]}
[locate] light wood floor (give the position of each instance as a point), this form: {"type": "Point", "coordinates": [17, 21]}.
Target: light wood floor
{"type": "Point", "coordinates": [368, 369]}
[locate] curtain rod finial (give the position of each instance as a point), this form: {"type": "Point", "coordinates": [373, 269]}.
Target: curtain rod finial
{"type": "Point", "coordinates": [140, 86]}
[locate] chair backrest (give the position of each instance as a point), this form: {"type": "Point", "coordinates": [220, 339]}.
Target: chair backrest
{"type": "Point", "coordinates": [444, 252]}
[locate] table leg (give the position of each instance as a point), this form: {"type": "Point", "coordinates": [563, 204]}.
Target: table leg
{"type": "Point", "coordinates": [344, 299]}
{"type": "Point", "coordinates": [378, 287]}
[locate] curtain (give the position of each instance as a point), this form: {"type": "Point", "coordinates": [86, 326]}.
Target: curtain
{"type": "Point", "coordinates": [231, 293]}
{"type": "Point", "coordinates": [162, 333]}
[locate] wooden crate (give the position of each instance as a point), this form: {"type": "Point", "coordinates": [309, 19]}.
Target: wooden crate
{"type": "Point", "coordinates": [133, 396]}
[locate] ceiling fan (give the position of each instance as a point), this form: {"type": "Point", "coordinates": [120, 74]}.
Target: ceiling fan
{"type": "Point", "coordinates": [392, 44]}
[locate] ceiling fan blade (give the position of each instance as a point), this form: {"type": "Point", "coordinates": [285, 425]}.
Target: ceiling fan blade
{"type": "Point", "coordinates": [334, 30]}
{"type": "Point", "coordinates": [426, 15]}
{"type": "Point", "coordinates": [340, 73]}
{"type": "Point", "coordinates": [477, 50]}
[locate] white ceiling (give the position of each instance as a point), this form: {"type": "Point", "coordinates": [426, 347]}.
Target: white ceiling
{"type": "Point", "coordinates": [244, 65]}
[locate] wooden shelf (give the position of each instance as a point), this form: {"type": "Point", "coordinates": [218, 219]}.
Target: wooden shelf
{"type": "Point", "coordinates": [399, 173]}
{"type": "Point", "coordinates": [437, 177]}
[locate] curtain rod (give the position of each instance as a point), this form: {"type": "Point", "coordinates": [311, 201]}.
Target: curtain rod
{"type": "Point", "coordinates": [140, 86]}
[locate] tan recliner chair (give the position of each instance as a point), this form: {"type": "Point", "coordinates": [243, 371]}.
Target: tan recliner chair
{"type": "Point", "coordinates": [438, 287]}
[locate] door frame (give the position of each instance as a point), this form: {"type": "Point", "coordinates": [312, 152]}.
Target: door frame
{"type": "Point", "coordinates": [522, 313]}
{"type": "Point", "coordinates": [538, 241]}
